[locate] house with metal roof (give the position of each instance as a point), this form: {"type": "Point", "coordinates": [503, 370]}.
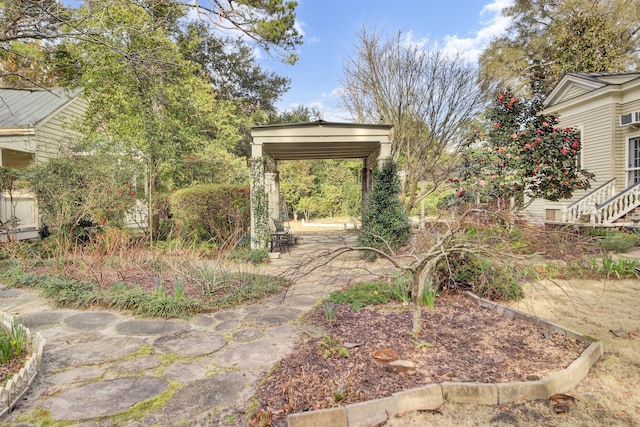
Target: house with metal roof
{"type": "Point", "coordinates": [605, 109]}
{"type": "Point", "coordinates": [35, 125]}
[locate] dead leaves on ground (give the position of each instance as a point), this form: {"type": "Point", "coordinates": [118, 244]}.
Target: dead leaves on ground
{"type": "Point", "coordinates": [561, 403]}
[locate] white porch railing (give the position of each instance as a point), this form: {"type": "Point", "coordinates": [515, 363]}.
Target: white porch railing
{"type": "Point", "coordinates": [617, 206]}
{"type": "Point", "coordinates": [19, 216]}
{"type": "Point", "coordinates": [588, 204]}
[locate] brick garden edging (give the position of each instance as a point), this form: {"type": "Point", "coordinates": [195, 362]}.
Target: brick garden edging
{"type": "Point", "coordinates": [17, 386]}
{"type": "Point", "coordinates": [432, 396]}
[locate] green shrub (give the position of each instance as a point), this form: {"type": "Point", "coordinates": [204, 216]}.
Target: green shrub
{"type": "Point", "coordinates": [615, 240]}
{"type": "Point", "coordinates": [217, 212]}
{"type": "Point", "coordinates": [363, 294]}
{"type": "Point", "coordinates": [383, 218]}
{"type": "Point", "coordinates": [464, 272]}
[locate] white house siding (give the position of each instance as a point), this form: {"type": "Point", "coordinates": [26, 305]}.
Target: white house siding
{"type": "Point", "coordinates": [574, 91]}
{"type": "Point", "coordinates": [56, 133]}
{"type": "Point", "coordinates": [596, 133]}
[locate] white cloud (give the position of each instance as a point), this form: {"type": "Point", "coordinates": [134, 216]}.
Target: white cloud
{"type": "Point", "coordinates": [471, 47]}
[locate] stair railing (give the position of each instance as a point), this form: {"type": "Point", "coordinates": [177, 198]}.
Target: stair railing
{"type": "Point", "coordinates": [587, 204]}
{"type": "Point", "coordinates": [617, 206]}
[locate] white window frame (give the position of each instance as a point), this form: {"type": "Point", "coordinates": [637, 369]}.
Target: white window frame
{"type": "Point", "coordinates": [580, 156]}
{"type": "Point", "coordinates": [629, 169]}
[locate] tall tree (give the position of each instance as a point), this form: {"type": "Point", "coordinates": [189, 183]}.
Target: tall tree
{"type": "Point", "coordinates": [232, 70]}
{"type": "Point", "coordinates": [269, 24]}
{"type": "Point", "coordinates": [548, 38]}
{"type": "Point", "coordinates": [145, 98]}
{"type": "Point", "coordinates": [428, 95]}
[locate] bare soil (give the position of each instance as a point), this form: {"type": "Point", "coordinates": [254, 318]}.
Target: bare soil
{"type": "Point", "coordinates": [608, 396]}
{"type": "Point", "coordinates": [461, 342]}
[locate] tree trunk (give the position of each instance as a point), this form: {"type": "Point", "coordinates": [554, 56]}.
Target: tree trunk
{"type": "Point", "coordinates": [417, 292]}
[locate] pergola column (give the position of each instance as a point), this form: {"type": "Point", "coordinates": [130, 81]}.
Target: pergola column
{"type": "Point", "coordinates": [259, 204]}
{"type": "Point", "coordinates": [272, 187]}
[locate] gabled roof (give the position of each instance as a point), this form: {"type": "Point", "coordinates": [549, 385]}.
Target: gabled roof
{"type": "Point", "coordinates": [573, 85]}
{"type": "Point", "coordinates": [28, 107]}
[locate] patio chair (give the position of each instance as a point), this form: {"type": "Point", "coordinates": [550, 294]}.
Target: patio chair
{"type": "Point", "coordinates": [280, 236]}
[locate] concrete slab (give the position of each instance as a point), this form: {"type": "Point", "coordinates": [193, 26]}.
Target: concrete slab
{"type": "Point", "coordinates": [93, 352]}
{"type": "Point", "coordinates": [227, 315]}
{"type": "Point", "coordinates": [255, 355]}
{"type": "Point", "coordinates": [199, 397]}
{"type": "Point", "coordinates": [273, 315]}
{"type": "Point", "coordinates": [203, 320]}
{"type": "Point", "coordinates": [186, 372]}
{"type": "Point", "coordinates": [190, 343]}
{"type": "Point", "coordinates": [334, 417]}
{"type": "Point", "coordinates": [150, 327]}
{"type": "Point", "coordinates": [92, 320]}
{"type": "Point", "coordinates": [246, 335]}
{"type": "Point", "coordinates": [39, 320]}
{"type": "Point", "coordinates": [104, 398]}
{"type": "Point", "coordinates": [136, 364]}
{"type": "Point", "coordinates": [228, 325]}
{"type": "Point", "coordinates": [76, 375]}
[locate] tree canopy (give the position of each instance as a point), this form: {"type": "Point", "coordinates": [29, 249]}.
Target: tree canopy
{"type": "Point", "coordinates": [548, 38]}
{"type": "Point", "coordinates": [30, 30]}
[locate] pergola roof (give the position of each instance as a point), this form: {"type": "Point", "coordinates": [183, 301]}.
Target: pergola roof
{"type": "Point", "coordinates": [320, 140]}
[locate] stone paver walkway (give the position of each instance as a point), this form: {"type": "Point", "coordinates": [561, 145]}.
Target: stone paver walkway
{"type": "Point", "coordinates": [104, 368]}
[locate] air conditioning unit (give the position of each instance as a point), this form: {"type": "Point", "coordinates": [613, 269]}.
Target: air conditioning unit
{"type": "Point", "coordinates": [632, 118]}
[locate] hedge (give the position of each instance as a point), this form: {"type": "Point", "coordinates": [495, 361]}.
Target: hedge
{"type": "Point", "coordinates": [216, 212]}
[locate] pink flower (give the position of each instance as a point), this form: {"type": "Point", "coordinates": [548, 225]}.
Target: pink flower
{"type": "Point", "coordinates": [527, 146]}
{"type": "Point", "coordinates": [498, 125]}
{"type": "Point", "coordinates": [564, 150]}
{"type": "Point", "coordinates": [514, 135]}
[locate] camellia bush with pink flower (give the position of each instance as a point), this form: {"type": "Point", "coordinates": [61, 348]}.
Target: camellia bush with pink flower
{"type": "Point", "coordinates": [521, 154]}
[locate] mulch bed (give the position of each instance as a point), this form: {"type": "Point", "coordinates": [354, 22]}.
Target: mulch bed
{"type": "Point", "coordinates": [461, 342]}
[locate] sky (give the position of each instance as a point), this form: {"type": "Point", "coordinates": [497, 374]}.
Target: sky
{"type": "Point", "coordinates": [330, 29]}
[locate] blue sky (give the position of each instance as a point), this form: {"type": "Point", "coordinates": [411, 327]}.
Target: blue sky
{"type": "Point", "coordinates": [330, 29]}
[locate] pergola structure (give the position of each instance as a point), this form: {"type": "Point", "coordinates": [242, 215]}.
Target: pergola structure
{"type": "Point", "coordinates": [308, 141]}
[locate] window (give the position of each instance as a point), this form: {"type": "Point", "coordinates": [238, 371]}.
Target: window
{"type": "Point", "coordinates": [633, 164]}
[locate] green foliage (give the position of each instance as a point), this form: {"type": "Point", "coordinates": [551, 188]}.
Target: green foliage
{"type": "Point", "coordinates": [614, 240]}
{"type": "Point", "coordinates": [331, 347]}
{"type": "Point", "coordinates": [621, 267]}
{"type": "Point", "coordinates": [245, 254]}
{"type": "Point", "coordinates": [232, 289]}
{"type": "Point", "coordinates": [13, 342]}
{"type": "Point", "coordinates": [322, 188]}
{"type": "Point", "coordinates": [522, 154]}
{"type": "Point", "coordinates": [78, 194]}
{"type": "Point", "coordinates": [429, 296]}
{"type": "Point", "coordinates": [226, 290]}
{"type": "Point", "coordinates": [464, 272]}
{"type": "Point", "coordinates": [384, 221]}
{"type": "Point", "coordinates": [400, 289]}
{"type": "Point", "coordinates": [547, 39]}
{"type": "Point", "coordinates": [217, 212]}
{"type": "Point", "coordinates": [362, 294]}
